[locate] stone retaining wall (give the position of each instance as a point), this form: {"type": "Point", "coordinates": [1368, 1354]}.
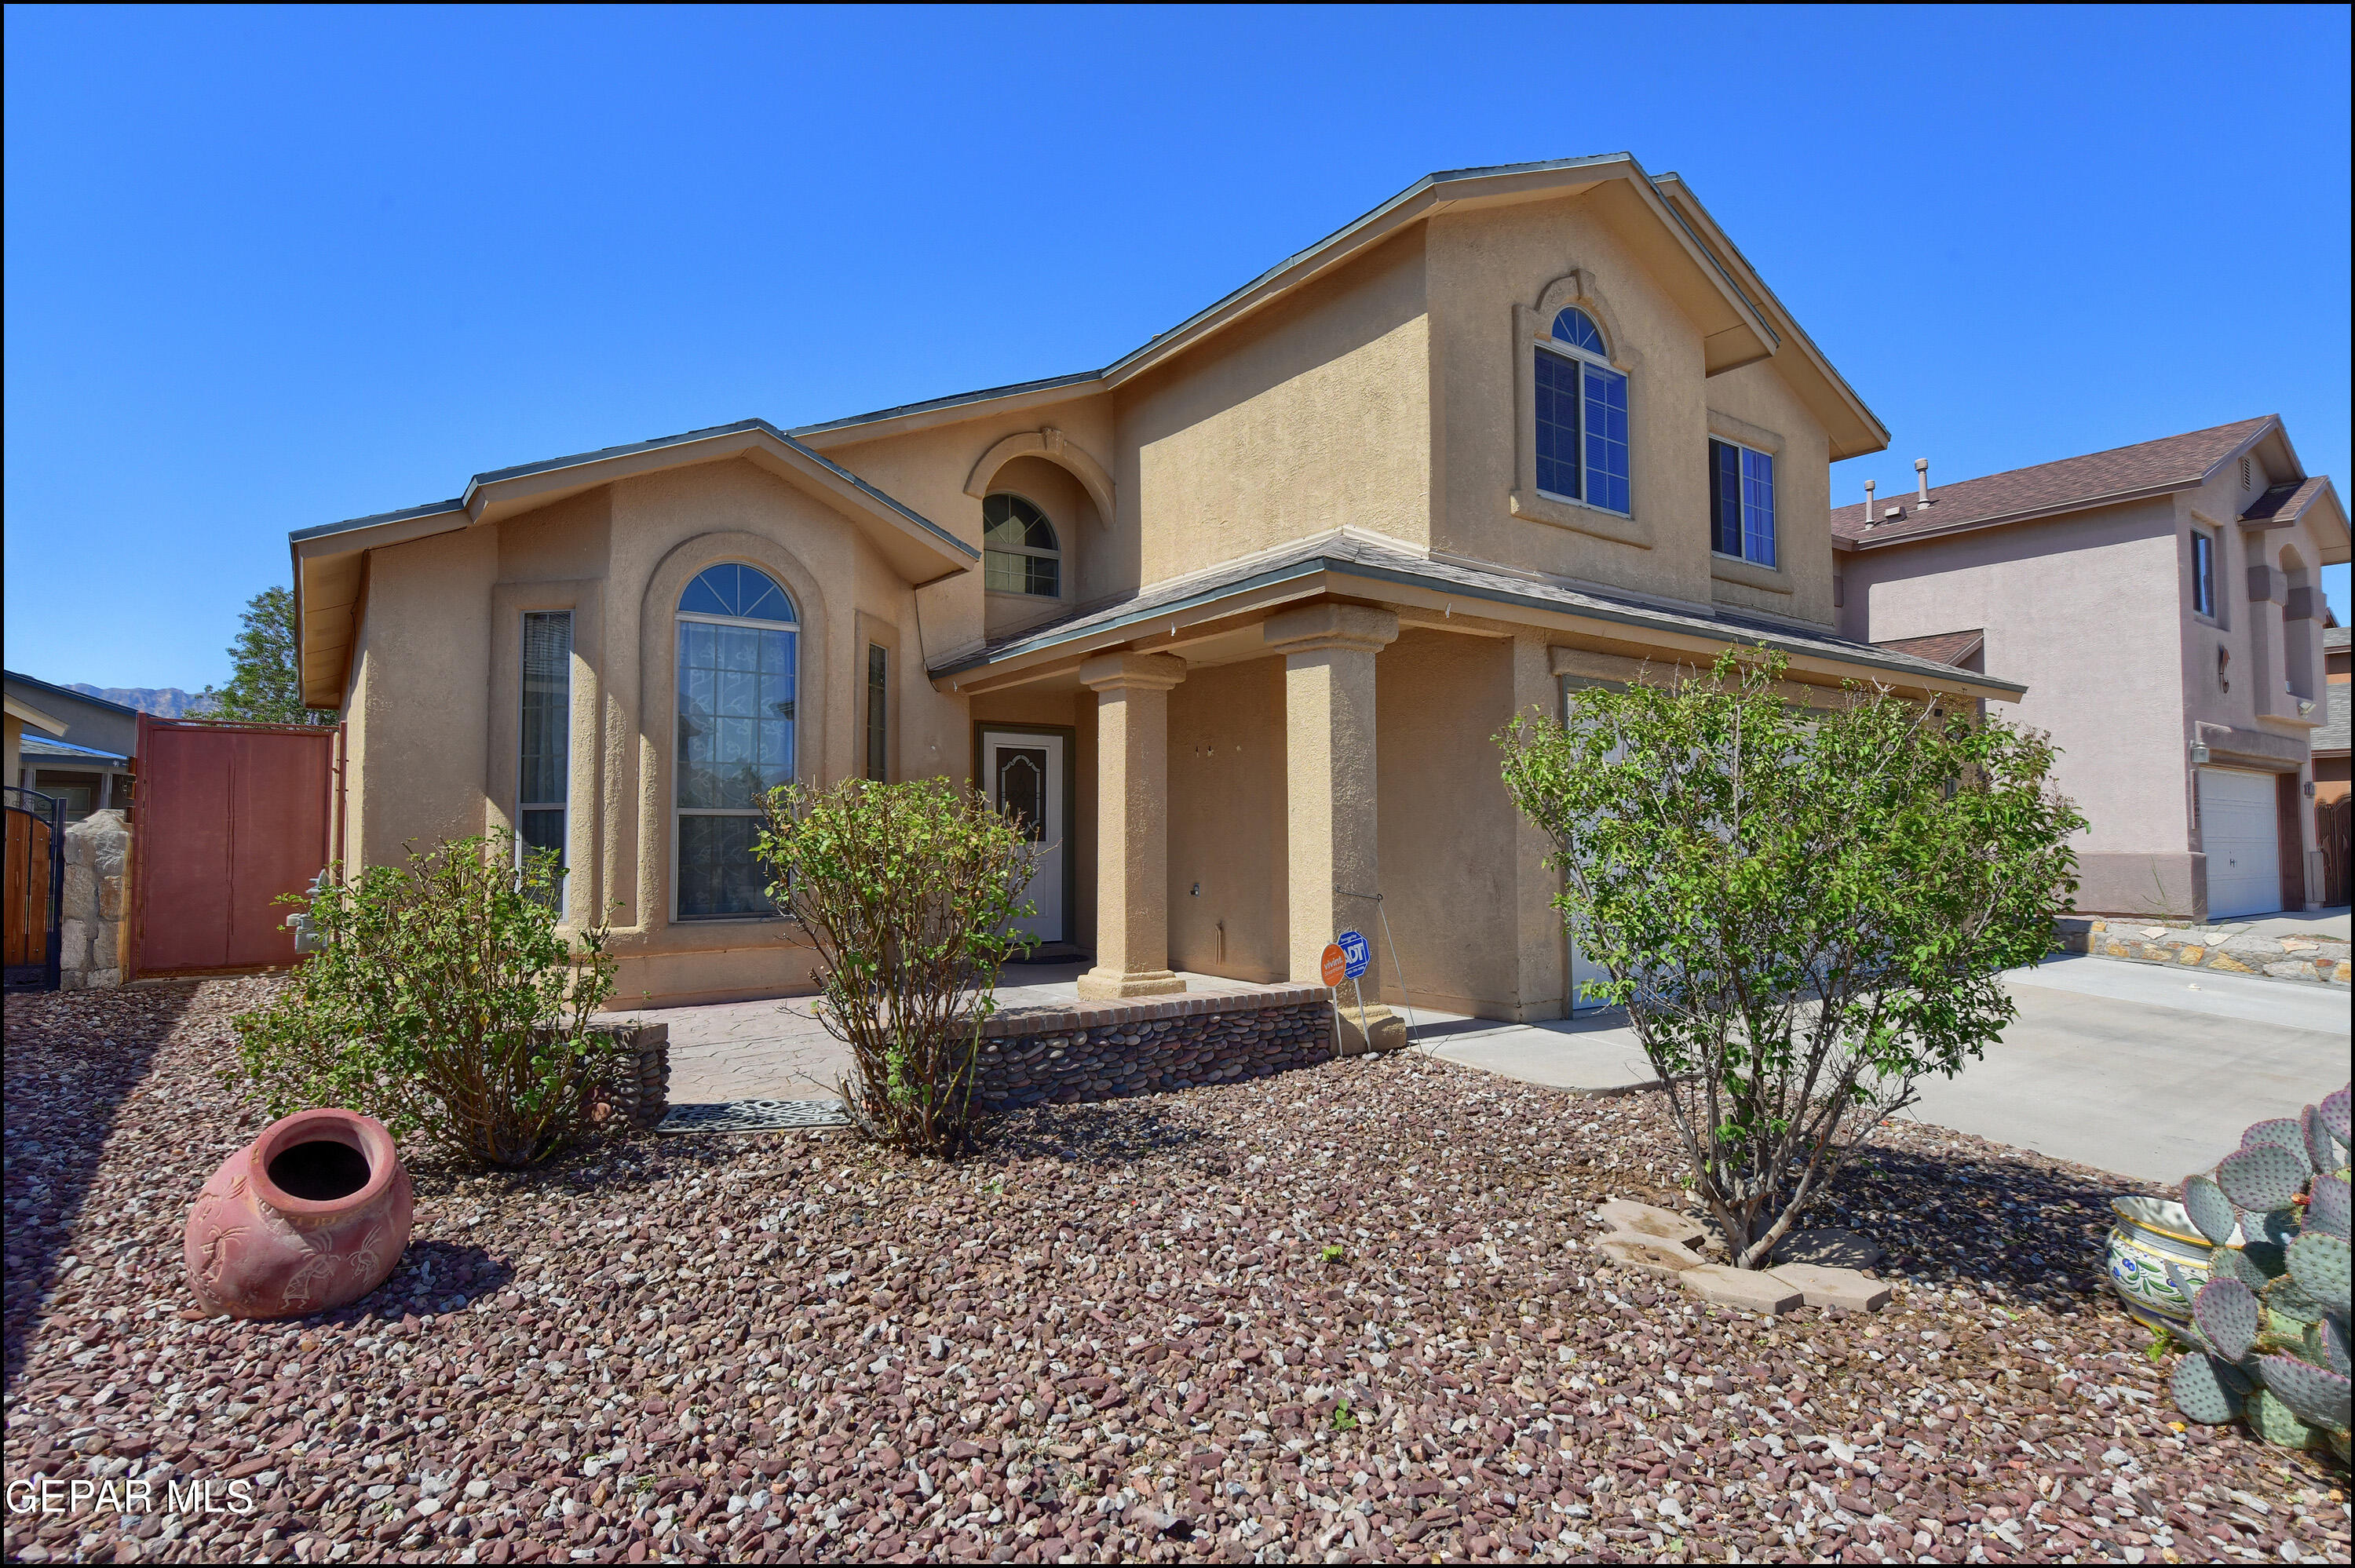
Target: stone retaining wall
{"type": "Point", "coordinates": [641, 1090]}
{"type": "Point", "coordinates": [2227, 949]}
{"type": "Point", "coordinates": [1101, 1051]}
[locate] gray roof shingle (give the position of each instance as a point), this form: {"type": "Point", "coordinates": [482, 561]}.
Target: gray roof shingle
{"type": "Point", "coordinates": [1359, 555]}
{"type": "Point", "coordinates": [2332, 737]}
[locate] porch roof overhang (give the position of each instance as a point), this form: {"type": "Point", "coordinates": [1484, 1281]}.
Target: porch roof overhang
{"type": "Point", "coordinates": [1350, 563]}
{"type": "Point", "coordinates": [330, 560]}
{"type": "Point", "coordinates": [25, 713]}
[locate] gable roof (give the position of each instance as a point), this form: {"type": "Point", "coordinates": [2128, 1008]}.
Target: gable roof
{"type": "Point", "coordinates": [67, 694]}
{"type": "Point", "coordinates": [2334, 638]}
{"type": "Point", "coordinates": [25, 713]}
{"type": "Point", "coordinates": [1742, 320]}
{"type": "Point", "coordinates": [2122, 474]}
{"type": "Point", "coordinates": [327, 558]}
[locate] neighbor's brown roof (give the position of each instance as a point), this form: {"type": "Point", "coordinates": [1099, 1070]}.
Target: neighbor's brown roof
{"type": "Point", "coordinates": [2171, 462]}
{"type": "Point", "coordinates": [2284, 501]}
{"type": "Point", "coordinates": [1939, 648]}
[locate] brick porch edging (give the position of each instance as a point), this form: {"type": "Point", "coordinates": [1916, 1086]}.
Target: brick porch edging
{"type": "Point", "coordinates": [1101, 1051]}
{"type": "Point", "coordinates": [2147, 941]}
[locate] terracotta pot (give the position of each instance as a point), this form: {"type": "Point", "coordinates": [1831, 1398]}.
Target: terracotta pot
{"type": "Point", "coordinates": [313, 1213]}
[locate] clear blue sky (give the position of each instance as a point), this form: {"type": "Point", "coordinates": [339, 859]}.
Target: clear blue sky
{"type": "Point", "coordinates": [268, 269]}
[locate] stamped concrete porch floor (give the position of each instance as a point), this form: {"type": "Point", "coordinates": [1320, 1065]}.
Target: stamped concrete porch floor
{"type": "Point", "coordinates": [777, 1050]}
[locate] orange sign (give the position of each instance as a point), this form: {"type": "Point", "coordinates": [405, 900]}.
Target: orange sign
{"type": "Point", "coordinates": [1335, 966]}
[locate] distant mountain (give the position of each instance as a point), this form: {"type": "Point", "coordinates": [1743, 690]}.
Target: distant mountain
{"type": "Point", "coordinates": [164, 701]}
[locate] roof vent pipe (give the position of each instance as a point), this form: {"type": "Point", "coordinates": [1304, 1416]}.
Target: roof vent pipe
{"type": "Point", "coordinates": [1868, 504]}
{"type": "Point", "coordinates": [1921, 481]}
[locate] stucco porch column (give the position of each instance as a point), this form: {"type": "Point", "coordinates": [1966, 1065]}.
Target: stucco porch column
{"type": "Point", "coordinates": [1132, 824]}
{"type": "Point", "coordinates": [1330, 797]}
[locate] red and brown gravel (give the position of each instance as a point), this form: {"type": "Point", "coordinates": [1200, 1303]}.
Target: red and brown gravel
{"type": "Point", "coordinates": [1346, 1313]}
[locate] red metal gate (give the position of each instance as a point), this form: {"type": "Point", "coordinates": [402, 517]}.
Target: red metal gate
{"type": "Point", "coordinates": [230, 817]}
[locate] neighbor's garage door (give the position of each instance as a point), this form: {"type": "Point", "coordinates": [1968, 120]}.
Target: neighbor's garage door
{"type": "Point", "coordinates": [2239, 831]}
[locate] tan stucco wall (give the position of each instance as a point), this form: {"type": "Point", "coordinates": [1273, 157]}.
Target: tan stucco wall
{"type": "Point", "coordinates": [1447, 824]}
{"type": "Point", "coordinates": [1227, 822]}
{"type": "Point", "coordinates": [1483, 263]}
{"type": "Point", "coordinates": [1313, 413]}
{"type": "Point", "coordinates": [430, 697]}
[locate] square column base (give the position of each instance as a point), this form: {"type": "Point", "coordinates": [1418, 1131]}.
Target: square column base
{"type": "Point", "coordinates": [1112, 985]}
{"type": "Point", "coordinates": [1378, 1030]}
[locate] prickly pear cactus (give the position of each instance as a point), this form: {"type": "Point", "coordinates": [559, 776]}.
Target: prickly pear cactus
{"type": "Point", "coordinates": [2271, 1324]}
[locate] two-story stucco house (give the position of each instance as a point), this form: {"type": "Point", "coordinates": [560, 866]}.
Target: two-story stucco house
{"type": "Point", "coordinates": [2163, 603]}
{"type": "Point", "coordinates": [1234, 620]}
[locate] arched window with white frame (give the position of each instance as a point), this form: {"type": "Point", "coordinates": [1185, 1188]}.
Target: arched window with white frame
{"type": "Point", "coordinates": [1581, 416]}
{"type": "Point", "coordinates": [1019, 551]}
{"type": "Point", "coordinates": [737, 653]}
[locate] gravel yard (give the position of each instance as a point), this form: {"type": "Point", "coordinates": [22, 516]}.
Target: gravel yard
{"type": "Point", "coordinates": [1346, 1312]}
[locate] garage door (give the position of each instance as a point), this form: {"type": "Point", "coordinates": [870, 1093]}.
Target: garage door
{"type": "Point", "coordinates": [2238, 829]}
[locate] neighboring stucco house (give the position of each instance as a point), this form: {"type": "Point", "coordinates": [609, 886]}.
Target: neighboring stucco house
{"type": "Point", "coordinates": [1234, 619]}
{"type": "Point", "coordinates": [88, 765]}
{"type": "Point", "coordinates": [2332, 822]}
{"type": "Point", "coordinates": [2163, 603]}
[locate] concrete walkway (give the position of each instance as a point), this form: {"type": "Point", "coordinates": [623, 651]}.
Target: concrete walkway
{"type": "Point", "coordinates": [2145, 1071]}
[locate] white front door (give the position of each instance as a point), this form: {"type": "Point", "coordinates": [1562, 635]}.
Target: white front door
{"type": "Point", "coordinates": [1023, 773]}
{"type": "Point", "coordinates": [2241, 835]}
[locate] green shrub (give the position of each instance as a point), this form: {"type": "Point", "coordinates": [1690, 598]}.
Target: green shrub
{"type": "Point", "coordinates": [1803, 910]}
{"type": "Point", "coordinates": [907, 892]}
{"type": "Point", "coordinates": [444, 1002]}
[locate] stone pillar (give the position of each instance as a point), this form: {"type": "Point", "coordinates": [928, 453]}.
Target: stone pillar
{"type": "Point", "coordinates": [98, 853]}
{"type": "Point", "coordinates": [1132, 824]}
{"type": "Point", "coordinates": [1543, 985]}
{"type": "Point", "coordinates": [1330, 820]}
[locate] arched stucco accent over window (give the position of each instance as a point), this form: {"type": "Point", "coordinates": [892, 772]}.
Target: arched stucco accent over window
{"type": "Point", "coordinates": [1531, 327]}
{"type": "Point", "coordinates": [658, 685]}
{"type": "Point", "coordinates": [1049, 443]}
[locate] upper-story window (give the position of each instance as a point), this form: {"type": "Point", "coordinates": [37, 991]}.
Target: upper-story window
{"type": "Point", "coordinates": [1742, 501]}
{"type": "Point", "coordinates": [1019, 553]}
{"type": "Point", "coordinates": [2203, 573]}
{"type": "Point", "coordinates": [736, 655]}
{"type": "Point", "coordinates": [1581, 416]}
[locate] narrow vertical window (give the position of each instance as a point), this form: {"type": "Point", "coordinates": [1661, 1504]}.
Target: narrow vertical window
{"type": "Point", "coordinates": [879, 712]}
{"type": "Point", "coordinates": [1741, 503]}
{"type": "Point", "coordinates": [737, 649]}
{"type": "Point", "coordinates": [2204, 574]}
{"type": "Point", "coordinates": [544, 783]}
{"type": "Point", "coordinates": [1580, 410]}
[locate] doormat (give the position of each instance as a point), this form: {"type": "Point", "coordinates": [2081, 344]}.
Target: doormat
{"type": "Point", "coordinates": [754, 1116]}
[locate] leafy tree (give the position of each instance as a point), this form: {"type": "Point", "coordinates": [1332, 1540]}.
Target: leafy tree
{"type": "Point", "coordinates": [909, 892]}
{"type": "Point", "coordinates": [264, 685]}
{"type": "Point", "coordinates": [1803, 910]}
{"type": "Point", "coordinates": [445, 1000]}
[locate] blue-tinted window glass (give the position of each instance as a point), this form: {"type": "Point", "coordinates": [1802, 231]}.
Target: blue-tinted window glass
{"type": "Point", "coordinates": [1725, 498]}
{"type": "Point", "coordinates": [1757, 507]}
{"type": "Point", "coordinates": [1557, 424]}
{"type": "Point", "coordinates": [1576, 328]}
{"type": "Point", "coordinates": [1606, 438]}
{"type": "Point", "coordinates": [736, 590]}
{"type": "Point", "coordinates": [717, 872]}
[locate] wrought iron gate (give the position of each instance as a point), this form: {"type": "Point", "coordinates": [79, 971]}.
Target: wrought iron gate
{"type": "Point", "coordinates": [36, 888]}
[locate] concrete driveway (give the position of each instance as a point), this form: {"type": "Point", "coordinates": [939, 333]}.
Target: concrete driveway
{"type": "Point", "coordinates": [2147, 1071]}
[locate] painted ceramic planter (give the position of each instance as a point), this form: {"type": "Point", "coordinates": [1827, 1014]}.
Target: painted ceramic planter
{"type": "Point", "coordinates": [312, 1215]}
{"type": "Point", "coordinates": [2149, 1235]}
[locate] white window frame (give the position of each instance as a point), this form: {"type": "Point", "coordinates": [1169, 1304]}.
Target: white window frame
{"type": "Point", "coordinates": [1773, 458]}
{"type": "Point", "coordinates": [1571, 352]}
{"type": "Point", "coordinates": [523, 707]}
{"type": "Point", "coordinates": [1032, 551]}
{"type": "Point", "coordinates": [677, 810]}
{"type": "Point", "coordinates": [2214, 614]}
